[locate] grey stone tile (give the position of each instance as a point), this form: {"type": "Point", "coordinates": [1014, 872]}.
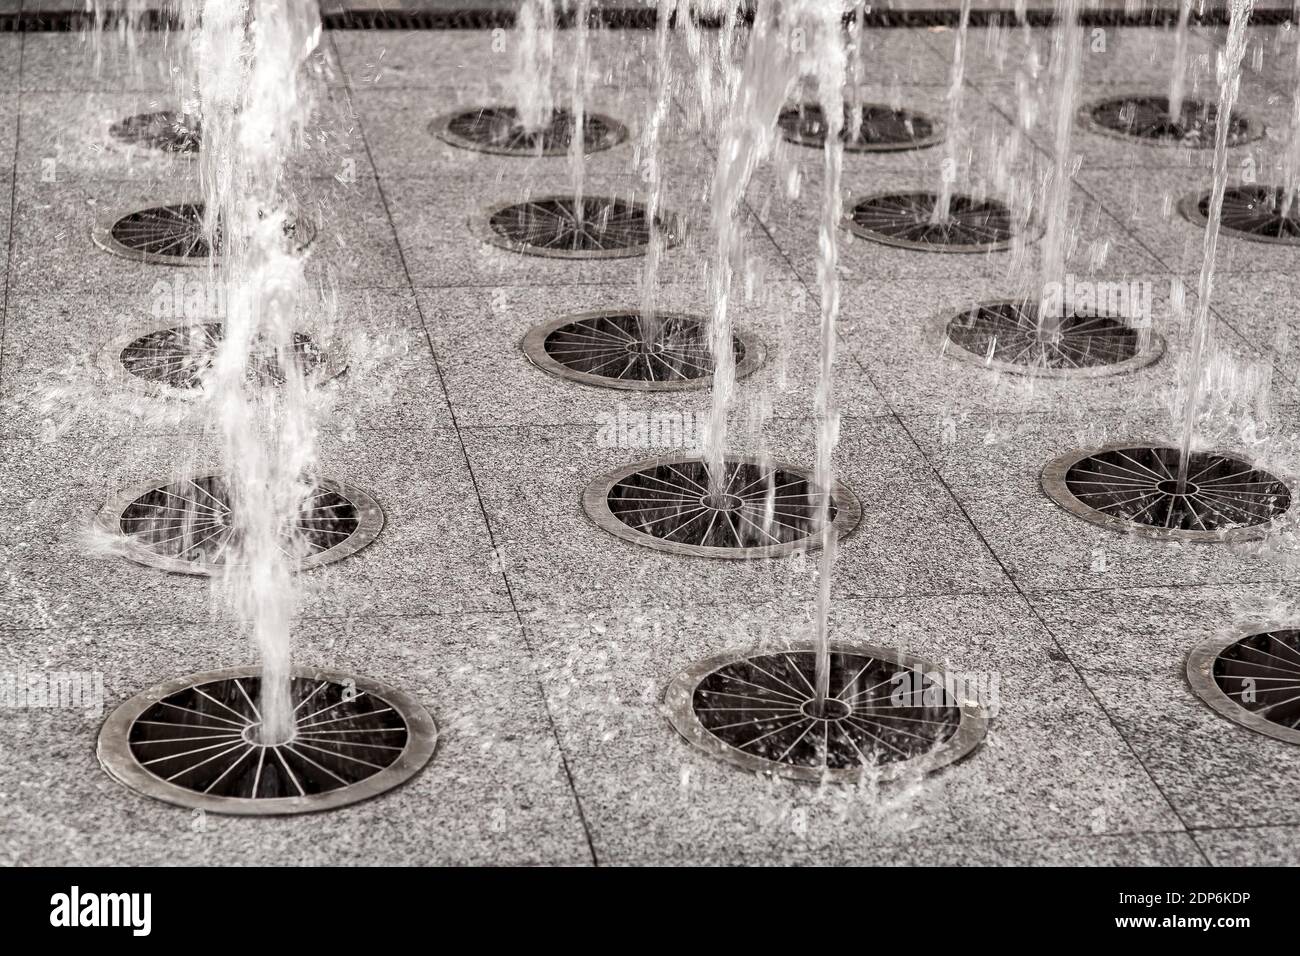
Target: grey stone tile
{"type": "Point", "coordinates": [432, 555]}
{"type": "Point", "coordinates": [1148, 208]}
{"type": "Point", "coordinates": [478, 332]}
{"type": "Point", "coordinates": [354, 245]}
{"type": "Point", "coordinates": [911, 540]}
{"type": "Point", "coordinates": [101, 61]}
{"type": "Point", "coordinates": [433, 221]}
{"type": "Point", "coordinates": [73, 131]}
{"type": "Point", "coordinates": [397, 129]}
{"type": "Point", "coordinates": [993, 464]}
{"type": "Point", "coordinates": [493, 793]}
{"type": "Point", "coordinates": [1132, 646]}
{"type": "Point", "coordinates": [1099, 248]}
{"type": "Point", "coordinates": [1257, 305]}
{"type": "Point", "coordinates": [478, 59]}
{"type": "Point", "coordinates": [648, 796]}
{"type": "Point", "coordinates": [11, 52]}
{"type": "Point", "coordinates": [60, 379]}
{"type": "Point", "coordinates": [1251, 846]}
{"type": "Point", "coordinates": [896, 329]}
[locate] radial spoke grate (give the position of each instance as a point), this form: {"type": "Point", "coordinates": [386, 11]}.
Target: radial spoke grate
{"type": "Point", "coordinates": [1148, 118]}
{"type": "Point", "coordinates": [880, 129]}
{"type": "Point", "coordinates": [166, 130]}
{"type": "Point", "coordinates": [1252, 678]}
{"type": "Point", "coordinates": [497, 129]}
{"type": "Point", "coordinates": [1010, 336]}
{"type": "Point", "coordinates": [174, 235]}
{"type": "Point", "coordinates": [186, 524]}
{"type": "Point", "coordinates": [757, 509]}
{"type": "Point", "coordinates": [1136, 488]}
{"type": "Point", "coordinates": [563, 227]}
{"type": "Point", "coordinates": [197, 742]}
{"type": "Point", "coordinates": [885, 714]}
{"type": "Point", "coordinates": [181, 357]}
{"type": "Point", "coordinates": [661, 351]}
{"type": "Point", "coordinates": [906, 220]}
{"type": "Point", "coordinates": [1261, 213]}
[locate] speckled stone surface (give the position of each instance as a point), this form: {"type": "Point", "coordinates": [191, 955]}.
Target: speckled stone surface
{"type": "Point", "coordinates": [542, 644]}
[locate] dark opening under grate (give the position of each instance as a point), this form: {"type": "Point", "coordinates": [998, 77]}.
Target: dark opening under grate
{"type": "Point", "coordinates": [884, 713]}
{"type": "Point", "coordinates": [1148, 118]}
{"type": "Point", "coordinates": [497, 129]}
{"type": "Point", "coordinates": [186, 524]}
{"type": "Point", "coordinates": [182, 357]}
{"type": "Point", "coordinates": [624, 349]}
{"type": "Point", "coordinates": [197, 742]}
{"type": "Point", "coordinates": [1136, 488]}
{"type": "Point", "coordinates": [904, 219]}
{"type": "Point", "coordinates": [560, 226]}
{"type": "Point", "coordinates": [167, 130]}
{"type": "Point", "coordinates": [882, 128]}
{"type": "Point", "coordinates": [760, 509]}
{"type": "Point", "coordinates": [1262, 213]}
{"type": "Point", "coordinates": [1010, 336]}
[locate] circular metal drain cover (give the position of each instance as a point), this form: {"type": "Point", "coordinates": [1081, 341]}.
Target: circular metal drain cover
{"type": "Point", "coordinates": [1006, 336]}
{"type": "Point", "coordinates": [496, 129]}
{"type": "Point", "coordinates": [885, 714]}
{"type": "Point", "coordinates": [553, 226]}
{"type": "Point", "coordinates": [1130, 487]}
{"type": "Point", "coordinates": [184, 524]}
{"type": "Point", "coordinates": [1147, 118]}
{"type": "Point", "coordinates": [765, 509]}
{"type": "Point", "coordinates": [883, 129]}
{"type": "Point", "coordinates": [167, 130]}
{"type": "Point", "coordinates": [1250, 212]}
{"type": "Point", "coordinates": [1253, 678]}
{"type": "Point", "coordinates": [194, 742]}
{"type": "Point", "coordinates": [180, 358]}
{"type": "Point", "coordinates": [172, 235]}
{"type": "Point", "coordinates": [613, 348]}
{"type": "Point", "coordinates": [903, 219]}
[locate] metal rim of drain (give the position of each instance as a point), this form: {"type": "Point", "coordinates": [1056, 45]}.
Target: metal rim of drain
{"type": "Point", "coordinates": [131, 750]}
{"type": "Point", "coordinates": [623, 233]}
{"type": "Point", "coordinates": [780, 703]}
{"type": "Point", "coordinates": [496, 130]}
{"type": "Point", "coordinates": [1144, 118]}
{"type": "Point", "coordinates": [598, 339]}
{"type": "Point", "coordinates": [1115, 485]}
{"type": "Point", "coordinates": [166, 130]}
{"type": "Point", "coordinates": [170, 235]}
{"type": "Point", "coordinates": [1123, 348]}
{"type": "Point", "coordinates": [146, 518]}
{"type": "Point", "coordinates": [173, 360]}
{"type": "Point", "coordinates": [1208, 671]}
{"type": "Point", "coordinates": [1247, 215]}
{"type": "Point", "coordinates": [885, 129]}
{"type": "Point", "coordinates": [902, 219]}
{"type": "Point", "coordinates": [680, 483]}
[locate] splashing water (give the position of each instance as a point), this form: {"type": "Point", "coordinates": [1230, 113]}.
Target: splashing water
{"type": "Point", "coordinates": [1178, 78]}
{"type": "Point", "coordinates": [768, 75]}
{"type": "Point", "coordinates": [578, 80]}
{"type": "Point", "coordinates": [534, 64]}
{"type": "Point", "coordinates": [1229, 70]}
{"type": "Point", "coordinates": [956, 85]}
{"type": "Point", "coordinates": [648, 324]}
{"type": "Point", "coordinates": [830, 59]}
{"type": "Point", "coordinates": [1064, 74]}
{"type": "Point", "coordinates": [250, 61]}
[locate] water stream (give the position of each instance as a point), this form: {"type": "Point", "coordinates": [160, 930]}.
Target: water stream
{"type": "Point", "coordinates": [1229, 72]}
